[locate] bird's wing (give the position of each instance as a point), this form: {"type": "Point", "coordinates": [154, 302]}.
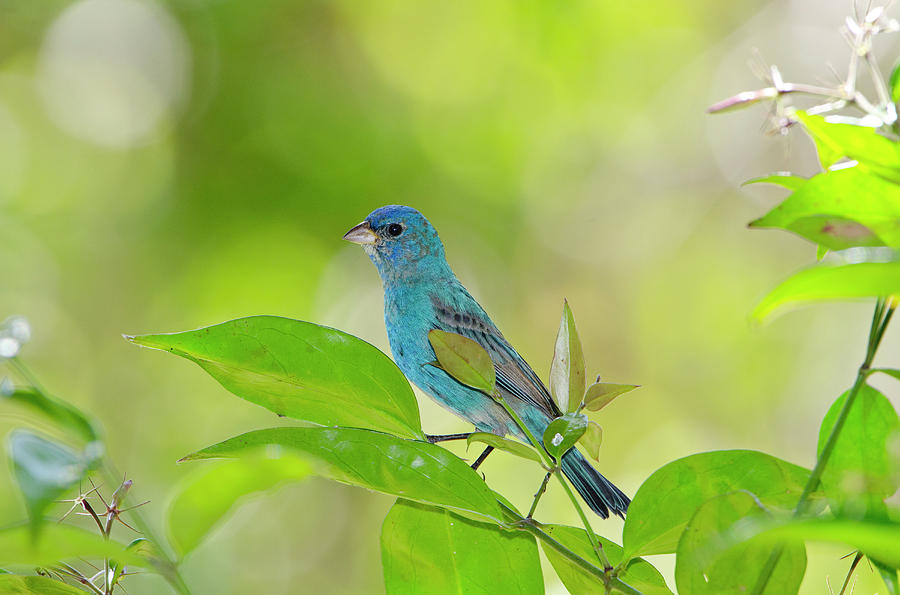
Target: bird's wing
{"type": "Point", "coordinates": [514, 376]}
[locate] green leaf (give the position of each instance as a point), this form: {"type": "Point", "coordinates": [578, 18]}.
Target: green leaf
{"type": "Point", "coordinates": [861, 472]}
{"type": "Point", "coordinates": [889, 371]}
{"type": "Point", "coordinates": [44, 471]}
{"type": "Point", "coordinates": [464, 359]}
{"type": "Point", "coordinates": [510, 446]}
{"type": "Point", "coordinates": [878, 539]}
{"type": "Point", "coordinates": [38, 585]}
{"type": "Point", "coordinates": [203, 500]}
{"type": "Point", "coordinates": [601, 394]}
{"type": "Point", "coordinates": [789, 181]}
{"type": "Point", "coordinates": [414, 470]}
{"type": "Point", "coordinates": [301, 370]}
{"type": "Point", "coordinates": [705, 565]}
{"type": "Point", "coordinates": [428, 549]}
{"type": "Point", "coordinates": [591, 439]}
{"type": "Point", "coordinates": [57, 410]}
{"type": "Point", "coordinates": [860, 143]}
{"type": "Point", "coordinates": [56, 542]}
{"type": "Point", "coordinates": [828, 282]}
{"type": "Point", "coordinates": [639, 573]}
{"type": "Point", "coordinates": [567, 369]}
{"type": "Point", "coordinates": [669, 498]}
{"type": "Point", "coordinates": [888, 575]}
{"type": "Point", "coordinates": [563, 432]}
{"type": "Point", "coordinates": [841, 209]}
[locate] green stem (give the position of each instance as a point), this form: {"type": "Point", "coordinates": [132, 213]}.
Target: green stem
{"type": "Point", "coordinates": [540, 492]}
{"type": "Point", "coordinates": [598, 549]}
{"type": "Point", "coordinates": [555, 470]}
{"type": "Point", "coordinates": [532, 527]}
{"type": "Point", "coordinates": [879, 323]}
{"type": "Point", "coordinates": [767, 569]}
{"type": "Point", "coordinates": [884, 310]}
{"type": "Point", "coordinates": [538, 446]}
{"type": "Point", "coordinates": [26, 375]}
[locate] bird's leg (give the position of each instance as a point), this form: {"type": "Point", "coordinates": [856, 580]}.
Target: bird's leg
{"type": "Point", "coordinates": [446, 437]}
{"type": "Point", "coordinates": [482, 457]}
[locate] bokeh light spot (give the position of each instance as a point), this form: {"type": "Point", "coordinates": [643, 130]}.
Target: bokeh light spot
{"type": "Point", "coordinates": [113, 71]}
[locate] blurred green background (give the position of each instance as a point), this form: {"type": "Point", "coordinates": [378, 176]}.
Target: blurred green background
{"type": "Point", "coordinates": [165, 166]}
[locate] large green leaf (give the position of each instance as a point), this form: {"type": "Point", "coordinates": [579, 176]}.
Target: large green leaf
{"type": "Point", "coordinates": [705, 565]}
{"type": "Point", "coordinates": [414, 470]}
{"type": "Point", "coordinates": [301, 370]}
{"type": "Point", "coordinates": [878, 539]}
{"type": "Point", "coordinates": [669, 498]}
{"type": "Point", "coordinates": [567, 368]}
{"type": "Point", "coordinates": [639, 573]}
{"type": "Point", "coordinates": [55, 542]}
{"type": "Point", "coordinates": [57, 410]}
{"type": "Point", "coordinates": [11, 584]}
{"type": "Point", "coordinates": [860, 143]}
{"type": "Point", "coordinates": [840, 209]}
{"type": "Point", "coordinates": [464, 359]}
{"type": "Point", "coordinates": [829, 282]}
{"type": "Point", "coordinates": [203, 500]}
{"type": "Point", "coordinates": [861, 472]}
{"type": "Point", "coordinates": [44, 470]}
{"type": "Point", "coordinates": [428, 549]}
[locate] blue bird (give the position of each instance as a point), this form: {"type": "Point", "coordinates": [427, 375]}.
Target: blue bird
{"type": "Point", "coordinates": [421, 293]}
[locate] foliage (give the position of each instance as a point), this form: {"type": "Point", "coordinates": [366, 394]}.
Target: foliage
{"type": "Point", "coordinates": [735, 520]}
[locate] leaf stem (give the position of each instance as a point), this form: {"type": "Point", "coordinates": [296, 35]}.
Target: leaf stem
{"type": "Point", "coordinates": [538, 446]}
{"type": "Point", "coordinates": [598, 549]}
{"type": "Point", "coordinates": [880, 321]}
{"type": "Point", "coordinates": [540, 492]}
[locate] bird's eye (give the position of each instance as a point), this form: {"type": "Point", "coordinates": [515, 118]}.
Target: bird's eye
{"type": "Point", "coordinates": [394, 229]}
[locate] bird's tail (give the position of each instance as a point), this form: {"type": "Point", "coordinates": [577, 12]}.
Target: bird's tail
{"type": "Point", "coordinates": [599, 493]}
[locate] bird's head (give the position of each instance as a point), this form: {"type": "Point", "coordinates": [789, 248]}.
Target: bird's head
{"type": "Point", "coordinates": [402, 244]}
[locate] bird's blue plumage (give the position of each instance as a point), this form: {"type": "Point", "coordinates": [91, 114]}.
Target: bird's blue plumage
{"type": "Point", "coordinates": [421, 293]}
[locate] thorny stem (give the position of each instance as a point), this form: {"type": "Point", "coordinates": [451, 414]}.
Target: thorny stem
{"type": "Point", "coordinates": [90, 510]}
{"type": "Point", "coordinates": [80, 578]}
{"type": "Point", "coordinates": [884, 310]}
{"type": "Point", "coordinates": [172, 575]}
{"type": "Point", "coordinates": [856, 560]}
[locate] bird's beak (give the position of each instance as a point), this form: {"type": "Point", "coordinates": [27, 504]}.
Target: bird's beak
{"type": "Point", "coordinates": [362, 234]}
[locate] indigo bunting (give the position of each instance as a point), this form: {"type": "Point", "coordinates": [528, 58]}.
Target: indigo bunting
{"type": "Point", "coordinates": [421, 293]}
